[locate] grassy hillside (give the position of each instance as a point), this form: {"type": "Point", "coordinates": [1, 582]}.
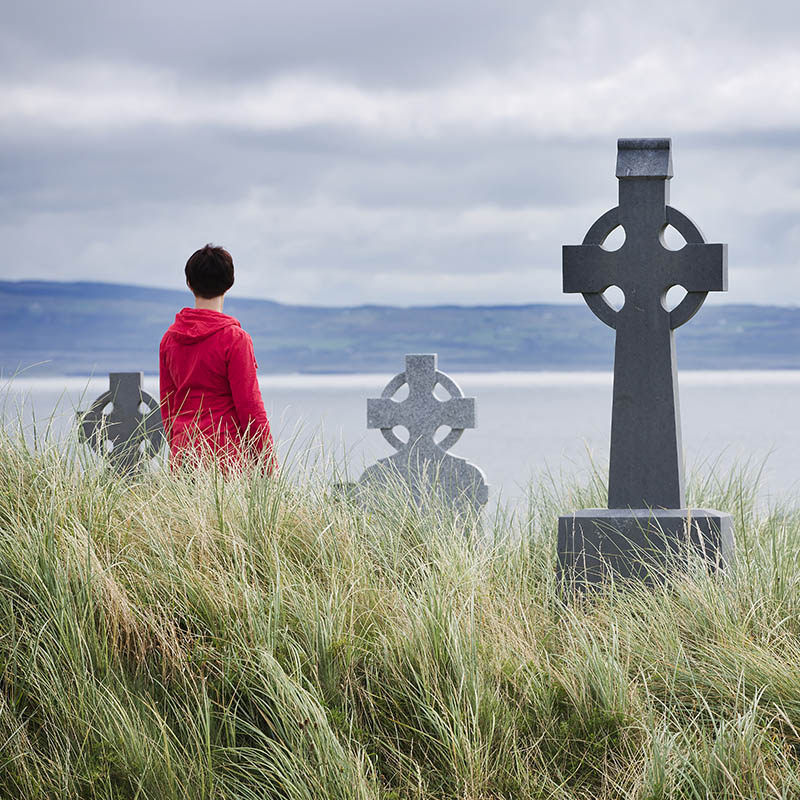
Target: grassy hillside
{"type": "Point", "coordinates": [85, 328]}
{"type": "Point", "coordinates": [183, 637]}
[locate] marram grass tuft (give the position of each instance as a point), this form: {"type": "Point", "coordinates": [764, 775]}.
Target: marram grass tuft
{"type": "Point", "coordinates": [189, 635]}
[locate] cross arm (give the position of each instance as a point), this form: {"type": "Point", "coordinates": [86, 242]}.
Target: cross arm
{"type": "Point", "coordinates": [701, 267]}
{"type": "Point", "coordinates": [588, 268]}
{"type": "Point", "coordinates": [458, 412]}
{"type": "Point", "coordinates": [384, 413]}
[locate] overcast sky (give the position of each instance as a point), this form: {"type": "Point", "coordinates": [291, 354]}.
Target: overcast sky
{"type": "Point", "coordinates": [404, 152]}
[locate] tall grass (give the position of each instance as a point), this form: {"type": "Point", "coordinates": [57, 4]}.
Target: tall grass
{"type": "Point", "coordinates": [181, 635]}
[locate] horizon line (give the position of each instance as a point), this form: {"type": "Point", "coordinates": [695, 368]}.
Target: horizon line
{"type": "Point", "coordinates": [718, 299]}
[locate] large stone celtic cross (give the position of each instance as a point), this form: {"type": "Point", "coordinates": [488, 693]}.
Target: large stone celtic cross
{"type": "Point", "coordinates": [646, 469]}
{"type": "Point", "coordinates": [124, 423]}
{"type": "Point", "coordinates": [422, 462]}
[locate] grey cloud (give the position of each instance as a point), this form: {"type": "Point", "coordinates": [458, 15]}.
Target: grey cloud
{"type": "Point", "coordinates": [337, 213]}
{"type": "Point", "coordinates": [411, 41]}
{"type": "Point", "coordinates": [184, 166]}
{"type": "Point", "coordinates": [414, 42]}
{"type": "Point", "coordinates": [379, 227]}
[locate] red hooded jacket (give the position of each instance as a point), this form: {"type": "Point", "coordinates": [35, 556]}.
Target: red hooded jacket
{"type": "Point", "coordinates": [209, 390]}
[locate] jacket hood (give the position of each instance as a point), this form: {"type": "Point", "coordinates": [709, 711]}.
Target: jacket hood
{"type": "Point", "coordinates": [195, 324]}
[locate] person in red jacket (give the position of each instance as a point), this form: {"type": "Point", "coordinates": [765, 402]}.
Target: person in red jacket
{"type": "Point", "coordinates": [210, 400]}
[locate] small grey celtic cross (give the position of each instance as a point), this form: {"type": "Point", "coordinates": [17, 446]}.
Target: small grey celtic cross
{"type": "Point", "coordinates": [422, 462]}
{"type": "Point", "coordinates": [128, 433]}
{"type": "Point", "coordinates": [646, 469]}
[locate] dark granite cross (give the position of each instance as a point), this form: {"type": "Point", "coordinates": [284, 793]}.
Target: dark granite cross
{"type": "Point", "coordinates": [646, 469]}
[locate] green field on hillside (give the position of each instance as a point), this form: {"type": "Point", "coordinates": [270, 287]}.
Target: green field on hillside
{"type": "Point", "coordinates": [95, 328]}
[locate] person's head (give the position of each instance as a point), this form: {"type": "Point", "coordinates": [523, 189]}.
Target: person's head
{"type": "Point", "coordinates": [209, 272]}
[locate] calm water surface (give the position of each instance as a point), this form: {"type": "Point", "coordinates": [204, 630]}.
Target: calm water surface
{"type": "Point", "coordinates": [527, 422]}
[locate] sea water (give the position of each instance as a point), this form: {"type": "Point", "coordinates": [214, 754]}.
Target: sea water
{"type": "Point", "coordinates": [529, 424]}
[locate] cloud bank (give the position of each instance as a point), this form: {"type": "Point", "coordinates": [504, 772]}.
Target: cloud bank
{"type": "Point", "coordinates": [395, 153]}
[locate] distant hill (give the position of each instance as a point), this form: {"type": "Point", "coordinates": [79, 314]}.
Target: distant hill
{"type": "Point", "coordinates": [94, 328]}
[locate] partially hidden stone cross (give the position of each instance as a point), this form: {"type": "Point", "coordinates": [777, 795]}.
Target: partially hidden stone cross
{"type": "Point", "coordinates": [123, 424]}
{"type": "Point", "coordinates": [647, 522]}
{"type": "Point", "coordinates": [421, 462]}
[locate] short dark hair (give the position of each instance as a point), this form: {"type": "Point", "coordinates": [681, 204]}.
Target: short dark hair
{"type": "Point", "coordinates": [209, 271]}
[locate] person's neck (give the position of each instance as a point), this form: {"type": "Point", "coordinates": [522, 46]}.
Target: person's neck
{"type": "Point", "coordinates": [210, 303]}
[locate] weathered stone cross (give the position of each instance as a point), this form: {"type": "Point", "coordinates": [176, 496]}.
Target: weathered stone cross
{"type": "Point", "coordinates": [128, 434]}
{"type": "Point", "coordinates": [646, 469]}
{"type": "Point", "coordinates": [422, 462]}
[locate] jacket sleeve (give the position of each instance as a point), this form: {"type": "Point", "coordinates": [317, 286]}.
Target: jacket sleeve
{"type": "Point", "coordinates": [247, 398]}
{"type": "Point", "coordinates": [166, 392]}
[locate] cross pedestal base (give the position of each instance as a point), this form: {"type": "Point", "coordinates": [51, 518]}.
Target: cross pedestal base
{"type": "Point", "coordinates": [597, 544]}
